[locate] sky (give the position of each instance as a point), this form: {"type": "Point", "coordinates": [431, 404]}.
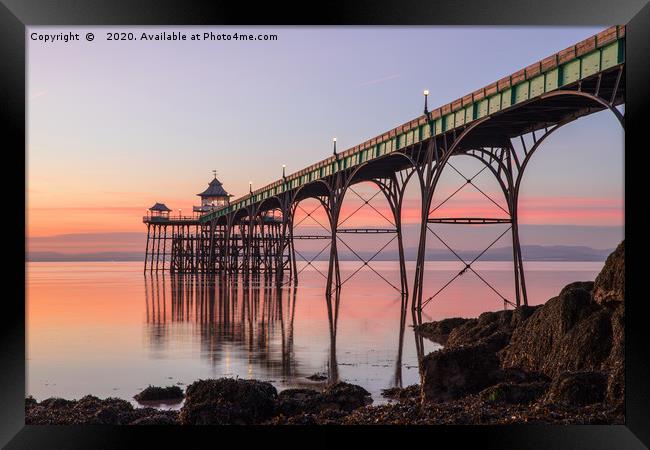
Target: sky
{"type": "Point", "coordinates": [114, 126]}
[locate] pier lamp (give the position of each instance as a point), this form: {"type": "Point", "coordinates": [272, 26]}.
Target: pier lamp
{"type": "Point", "coordinates": [334, 141]}
{"type": "Point", "coordinates": [250, 187]}
{"type": "Point", "coordinates": [426, 106]}
{"type": "Point", "coordinates": [284, 166]}
{"type": "Point", "coordinates": [179, 213]}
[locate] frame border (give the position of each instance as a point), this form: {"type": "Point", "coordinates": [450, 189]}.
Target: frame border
{"type": "Point", "coordinates": [16, 15]}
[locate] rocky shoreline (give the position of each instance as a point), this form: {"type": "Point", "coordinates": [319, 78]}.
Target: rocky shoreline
{"type": "Point", "coordinates": [558, 363]}
{"type": "Point", "coordinates": [252, 402]}
{"type": "Point", "coordinates": [566, 353]}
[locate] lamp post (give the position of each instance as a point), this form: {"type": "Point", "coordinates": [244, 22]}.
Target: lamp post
{"type": "Point", "coordinates": [334, 141]}
{"type": "Point", "coordinates": [179, 213]}
{"type": "Point", "coordinates": [284, 166]}
{"type": "Point", "coordinates": [250, 187]}
{"type": "Point", "coordinates": [426, 96]}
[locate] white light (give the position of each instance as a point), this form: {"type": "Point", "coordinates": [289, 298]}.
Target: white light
{"type": "Point", "coordinates": [334, 139]}
{"type": "Point", "coordinates": [284, 166]}
{"type": "Point", "coordinates": [426, 92]}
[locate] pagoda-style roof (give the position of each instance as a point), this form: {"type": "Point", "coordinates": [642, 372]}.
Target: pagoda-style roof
{"type": "Point", "coordinates": [160, 207]}
{"type": "Point", "coordinates": [215, 189]}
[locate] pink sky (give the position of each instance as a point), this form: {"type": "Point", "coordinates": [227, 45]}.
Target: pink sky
{"type": "Point", "coordinates": [55, 220]}
{"type": "Point", "coordinates": [114, 129]}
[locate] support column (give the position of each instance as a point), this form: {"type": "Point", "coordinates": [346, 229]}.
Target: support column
{"type": "Point", "coordinates": [146, 252]}
{"type": "Point", "coordinates": [394, 189]}
{"type": "Point", "coordinates": [333, 271]}
{"type": "Point", "coordinates": [158, 248]}
{"type": "Point", "coordinates": [419, 264]}
{"type": "Point", "coordinates": [164, 253]}
{"type": "Point", "coordinates": [284, 243]}
{"type": "Point", "coordinates": [226, 249]}
{"type": "Point", "coordinates": [333, 210]}
{"type": "Point", "coordinates": [210, 264]}
{"type": "Point", "coordinates": [426, 175]}
{"type": "Point", "coordinates": [292, 254]}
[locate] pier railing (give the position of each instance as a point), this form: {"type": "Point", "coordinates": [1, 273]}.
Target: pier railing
{"type": "Point", "coordinates": [568, 67]}
{"type": "Point", "coordinates": [164, 219]}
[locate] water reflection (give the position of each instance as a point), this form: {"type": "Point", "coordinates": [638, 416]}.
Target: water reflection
{"type": "Point", "coordinates": [247, 318]}
{"type": "Point", "coordinates": [419, 340]}
{"type": "Point", "coordinates": [91, 332]}
{"type": "Point", "coordinates": [244, 317]}
{"type": "Point", "coordinates": [397, 380]}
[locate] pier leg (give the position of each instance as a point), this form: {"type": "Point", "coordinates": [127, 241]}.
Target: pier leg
{"type": "Point", "coordinates": [510, 195]}
{"type": "Point", "coordinates": [247, 244]}
{"type": "Point", "coordinates": [402, 260]}
{"type": "Point", "coordinates": [153, 245]}
{"type": "Point", "coordinates": [333, 272]}
{"type": "Point", "coordinates": [279, 256]}
{"type": "Point", "coordinates": [292, 254]}
{"type": "Point", "coordinates": [164, 244]}
{"type": "Point", "coordinates": [146, 252]}
{"type": "Point", "coordinates": [520, 279]}
{"type": "Point", "coordinates": [400, 345]}
{"type": "Point", "coordinates": [225, 253]}
{"type": "Point", "coordinates": [419, 264]}
{"type": "Point", "coordinates": [393, 189]}
{"type": "Point", "coordinates": [158, 248]}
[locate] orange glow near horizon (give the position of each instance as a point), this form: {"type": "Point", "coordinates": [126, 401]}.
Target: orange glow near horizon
{"type": "Point", "coordinates": [536, 210]}
{"type": "Point", "coordinates": [51, 221]}
{"type": "Point", "coordinates": [45, 221]}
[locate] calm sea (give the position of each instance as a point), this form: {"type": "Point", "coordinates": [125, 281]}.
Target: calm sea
{"type": "Point", "coordinates": [106, 329]}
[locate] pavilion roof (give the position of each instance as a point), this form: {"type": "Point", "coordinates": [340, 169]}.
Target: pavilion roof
{"type": "Point", "coordinates": [215, 189]}
{"type": "Point", "coordinates": [160, 207]}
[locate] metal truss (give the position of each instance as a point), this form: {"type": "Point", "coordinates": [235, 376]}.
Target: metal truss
{"type": "Point", "coordinates": [309, 262]}
{"type": "Point", "coordinates": [392, 188]}
{"type": "Point", "coordinates": [467, 266]}
{"type": "Point", "coordinates": [505, 147]}
{"type": "Point", "coordinates": [245, 242]}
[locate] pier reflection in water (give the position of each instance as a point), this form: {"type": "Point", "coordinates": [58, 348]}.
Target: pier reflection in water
{"type": "Point", "coordinates": [245, 320]}
{"type": "Point", "coordinates": [99, 328]}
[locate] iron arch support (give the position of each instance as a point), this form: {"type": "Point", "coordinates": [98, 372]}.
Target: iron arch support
{"type": "Point", "coordinates": [393, 190]}
{"type": "Point", "coordinates": [521, 168]}
{"type": "Point", "coordinates": [529, 154]}
{"type": "Point", "coordinates": [433, 168]}
{"type": "Point", "coordinates": [292, 206]}
{"type": "Point", "coordinates": [351, 178]}
{"type": "Point", "coordinates": [595, 98]}
{"type": "Point", "coordinates": [297, 195]}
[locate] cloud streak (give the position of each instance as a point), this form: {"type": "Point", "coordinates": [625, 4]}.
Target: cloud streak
{"type": "Point", "coordinates": [380, 80]}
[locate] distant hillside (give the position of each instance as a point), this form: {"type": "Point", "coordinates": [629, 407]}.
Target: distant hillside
{"type": "Point", "coordinates": [530, 253]}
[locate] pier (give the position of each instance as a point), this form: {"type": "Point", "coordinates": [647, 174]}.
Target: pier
{"type": "Point", "coordinates": [501, 125]}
